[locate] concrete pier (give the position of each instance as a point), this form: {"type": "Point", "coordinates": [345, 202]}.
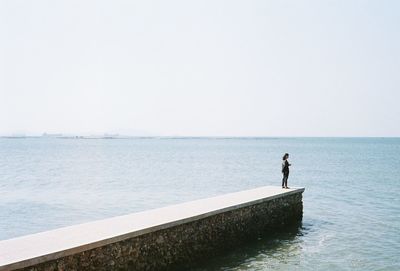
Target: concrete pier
{"type": "Point", "coordinates": [160, 239]}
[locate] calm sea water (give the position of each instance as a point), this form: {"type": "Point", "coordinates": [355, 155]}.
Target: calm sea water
{"type": "Point", "coordinates": [351, 203]}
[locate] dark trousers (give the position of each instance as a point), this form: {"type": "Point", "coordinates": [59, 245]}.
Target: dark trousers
{"type": "Point", "coordinates": [284, 179]}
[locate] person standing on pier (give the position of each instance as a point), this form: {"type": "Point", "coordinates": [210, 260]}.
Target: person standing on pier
{"type": "Point", "coordinates": [285, 170]}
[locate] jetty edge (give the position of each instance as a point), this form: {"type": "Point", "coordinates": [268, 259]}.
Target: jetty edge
{"type": "Point", "coordinates": [158, 239]}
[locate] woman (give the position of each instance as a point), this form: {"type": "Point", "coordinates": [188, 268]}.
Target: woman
{"type": "Point", "coordinates": [285, 170]}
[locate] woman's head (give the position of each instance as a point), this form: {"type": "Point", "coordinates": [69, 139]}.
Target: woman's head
{"type": "Point", "coordinates": [286, 156]}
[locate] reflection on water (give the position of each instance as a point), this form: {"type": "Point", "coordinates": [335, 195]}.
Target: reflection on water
{"type": "Point", "coordinates": [267, 252]}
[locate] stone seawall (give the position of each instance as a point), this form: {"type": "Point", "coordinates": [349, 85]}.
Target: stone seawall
{"type": "Point", "coordinates": [174, 244]}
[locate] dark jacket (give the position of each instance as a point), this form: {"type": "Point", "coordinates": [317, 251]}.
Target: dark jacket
{"type": "Point", "coordinates": [285, 166]}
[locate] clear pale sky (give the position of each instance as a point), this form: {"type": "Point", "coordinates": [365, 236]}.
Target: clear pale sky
{"type": "Point", "coordinates": [200, 68]}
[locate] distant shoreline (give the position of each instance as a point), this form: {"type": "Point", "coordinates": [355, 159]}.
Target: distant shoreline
{"type": "Point", "coordinates": [195, 137]}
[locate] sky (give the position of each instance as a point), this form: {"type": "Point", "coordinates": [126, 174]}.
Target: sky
{"type": "Point", "coordinates": [200, 68]}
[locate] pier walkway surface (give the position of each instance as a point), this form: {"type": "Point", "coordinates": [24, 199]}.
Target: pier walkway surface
{"type": "Point", "coordinates": [35, 249]}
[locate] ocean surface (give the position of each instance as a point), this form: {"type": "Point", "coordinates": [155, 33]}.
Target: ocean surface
{"type": "Point", "coordinates": [351, 202]}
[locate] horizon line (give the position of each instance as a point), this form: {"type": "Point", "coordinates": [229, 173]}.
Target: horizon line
{"type": "Point", "coordinates": [116, 136]}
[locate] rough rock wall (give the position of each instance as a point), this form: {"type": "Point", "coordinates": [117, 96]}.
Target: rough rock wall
{"type": "Point", "coordinates": [181, 246]}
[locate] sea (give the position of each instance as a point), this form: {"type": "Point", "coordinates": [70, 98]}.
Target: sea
{"type": "Point", "coordinates": [351, 201]}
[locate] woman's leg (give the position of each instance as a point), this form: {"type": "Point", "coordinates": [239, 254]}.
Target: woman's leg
{"type": "Point", "coordinates": [286, 178]}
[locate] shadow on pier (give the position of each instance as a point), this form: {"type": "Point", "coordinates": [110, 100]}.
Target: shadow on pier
{"type": "Point", "coordinates": [268, 251]}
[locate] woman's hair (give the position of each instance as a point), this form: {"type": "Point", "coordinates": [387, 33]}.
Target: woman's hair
{"type": "Point", "coordinates": [285, 156]}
